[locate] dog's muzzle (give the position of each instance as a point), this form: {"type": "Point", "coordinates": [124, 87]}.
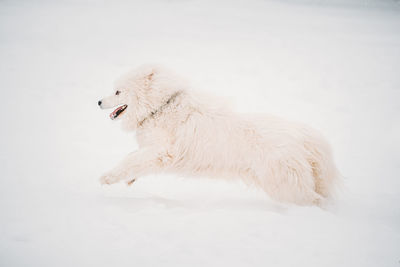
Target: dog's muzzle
{"type": "Point", "coordinates": [118, 111]}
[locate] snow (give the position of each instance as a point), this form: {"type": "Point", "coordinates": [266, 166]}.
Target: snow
{"type": "Point", "coordinates": [332, 64]}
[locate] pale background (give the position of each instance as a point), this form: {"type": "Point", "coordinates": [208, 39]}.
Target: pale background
{"type": "Point", "coordinates": [332, 64]}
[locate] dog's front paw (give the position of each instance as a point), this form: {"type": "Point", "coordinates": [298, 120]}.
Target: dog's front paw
{"type": "Point", "coordinates": [130, 181]}
{"type": "Point", "coordinates": [109, 178]}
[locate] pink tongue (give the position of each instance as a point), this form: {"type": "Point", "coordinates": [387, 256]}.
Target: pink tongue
{"type": "Point", "coordinates": [114, 113]}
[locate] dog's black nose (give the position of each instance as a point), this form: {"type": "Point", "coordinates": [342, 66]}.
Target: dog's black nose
{"type": "Point", "coordinates": [99, 102]}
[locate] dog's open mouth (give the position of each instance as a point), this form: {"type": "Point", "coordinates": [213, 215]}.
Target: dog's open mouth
{"type": "Point", "coordinates": [118, 112]}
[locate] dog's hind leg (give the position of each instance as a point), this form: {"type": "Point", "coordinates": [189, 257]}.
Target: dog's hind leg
{"type": "Point", "coordinates": [289, 180]}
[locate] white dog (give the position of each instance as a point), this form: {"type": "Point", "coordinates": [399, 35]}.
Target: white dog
{"type": "Point", "coordinates": [177, 132]}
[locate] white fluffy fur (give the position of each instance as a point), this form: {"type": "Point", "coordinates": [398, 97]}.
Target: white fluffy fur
{"type": "Point", "coordinates": [289, 161]}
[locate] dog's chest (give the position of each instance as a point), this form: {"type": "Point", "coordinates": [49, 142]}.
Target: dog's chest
{"type": "Point", "coordinates": [153, 136]}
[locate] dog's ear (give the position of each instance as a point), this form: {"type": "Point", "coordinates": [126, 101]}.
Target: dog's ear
{"type": "Point", "coordinates": [148, 79]}
{"type": "Point", "coordinates": [149, 76]}
{"type": "Point", "coordinates": [149, 72]}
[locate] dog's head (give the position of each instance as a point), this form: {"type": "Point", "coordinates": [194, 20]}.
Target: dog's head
{"type": "Point", "coordinates": [139, 93]}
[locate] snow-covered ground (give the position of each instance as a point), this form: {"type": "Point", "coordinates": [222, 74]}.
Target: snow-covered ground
{"type": "Point", "coordinates": [332, 64]}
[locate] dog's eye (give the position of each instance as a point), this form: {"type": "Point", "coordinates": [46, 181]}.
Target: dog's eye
{"type": "Point", "coordinates": [117, 92]}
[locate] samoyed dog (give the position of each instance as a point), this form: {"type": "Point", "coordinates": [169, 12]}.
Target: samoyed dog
{"type": "Point", "coordinates": [179, 131]}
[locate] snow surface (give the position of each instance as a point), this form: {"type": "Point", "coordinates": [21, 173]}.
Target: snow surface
{"type": "Point", "coordinates": [332, 64]}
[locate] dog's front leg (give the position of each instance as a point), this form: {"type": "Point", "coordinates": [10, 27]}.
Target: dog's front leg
{"type": "Point", "coordinates": [136, 164]}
